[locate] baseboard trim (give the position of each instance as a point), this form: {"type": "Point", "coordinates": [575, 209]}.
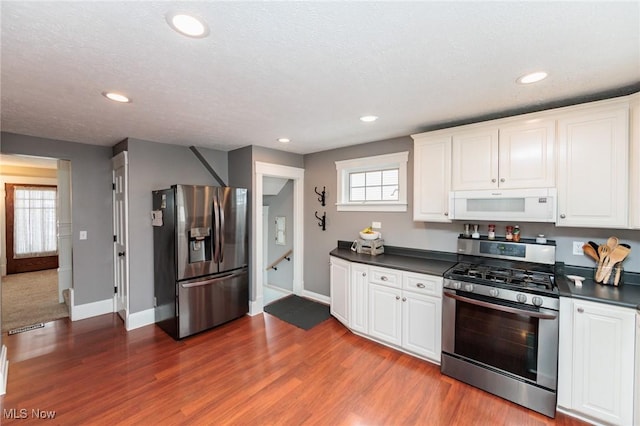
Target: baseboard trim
{"type": "Point", "coordinates": [140, 319]}
{"type": "Point", "coordinates": [89, 310]}
{"type": "Point", "coordinates": [317, 297]}
{"type": "Point", "coordinates": [255, 307]}
{"type": "Point", "coordinates": [4, 370]}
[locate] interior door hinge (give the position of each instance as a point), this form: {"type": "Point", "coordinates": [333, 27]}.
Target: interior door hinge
{"type": "Point", "coordinates": [115, 290]}
{"type": "Point", "coordinates": [113, 186]}
{"type": "Point", "coordinates": [115, 238]}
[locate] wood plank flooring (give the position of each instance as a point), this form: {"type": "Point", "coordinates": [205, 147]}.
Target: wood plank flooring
{"type": "Point", "coordinates": [255, 370]}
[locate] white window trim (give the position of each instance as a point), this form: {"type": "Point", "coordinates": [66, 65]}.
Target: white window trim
{"type": "Point", "coordinates": [344, 167]}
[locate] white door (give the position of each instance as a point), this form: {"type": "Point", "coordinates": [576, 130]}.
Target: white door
{"type": "Point", "coordinates": [385, 313]}
{"type": "Point", "coordinates": [421, 324]}
{"type": "Point", "coordinates": [120, 233]}
{"type": "Point", "coordinates": [432, 178]}
{"type": "Point", "coordinates": [359, 295]}
{"type": "Point", "coordinates": [339, 289]}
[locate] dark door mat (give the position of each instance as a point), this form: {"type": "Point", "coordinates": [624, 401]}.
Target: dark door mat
{"type": "Point", "coordinates": [303, 313]}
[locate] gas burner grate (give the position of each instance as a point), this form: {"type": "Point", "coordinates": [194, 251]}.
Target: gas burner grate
{"type": "Point", "coordinates": [503, 275]}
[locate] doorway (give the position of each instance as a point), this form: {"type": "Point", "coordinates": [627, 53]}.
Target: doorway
{"type": "Point", "coordinates": [277, 209]}
{"type": "Point", "coordinates": [294, 230]}
{"type": "Point", "coordinates": [35, 219]}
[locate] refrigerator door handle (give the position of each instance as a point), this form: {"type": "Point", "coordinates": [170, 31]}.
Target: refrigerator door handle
{"type": "Point", "coordinates": [212, 281]}
{"type": "Point", "coordinates": [221, 239]}
{"type": "Point", "coordinates": [216, 227]}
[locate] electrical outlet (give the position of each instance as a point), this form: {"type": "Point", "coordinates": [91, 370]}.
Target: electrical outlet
{"type": "Point", "coordinates": [376, 225]}
{"type": "Point", "coordinates": [577, 248]}
{"type": "Point", "coordinates": [83, 235]}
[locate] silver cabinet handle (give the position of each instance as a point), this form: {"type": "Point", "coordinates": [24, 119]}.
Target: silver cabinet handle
{"type": "Point", "coordinates": [364, 274]}
{"type": "Point", "coordinates": [383, 278]}
{"type": "Point", "coordinates": [562, 216]}
{"type": "Point", "coordinates": [493, 180]}
{"type": "Point", "coordinates": [420, 285]}
{"type": "Point", "coordinates": [404, 299]}
{"type": "Point", "coordinates": [501, 179]}
{"type": "Point", "coordinates": [580, 310]}
{"type": "Point", "coordinates": [397, 297]}
{"type": "Point", "coordinates": [446, 213]}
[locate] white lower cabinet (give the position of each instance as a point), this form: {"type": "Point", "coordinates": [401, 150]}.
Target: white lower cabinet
{"type": "Point", "coordinates": [385, 313]}
{"type": "Point", "coordinates": [402, 309]}
{"type": "Point", "coordinates": [339, 271]}
{"type": "Point", "coordinates": [359, 297]}
{"type": "Point", "coordinates": [596, 362]}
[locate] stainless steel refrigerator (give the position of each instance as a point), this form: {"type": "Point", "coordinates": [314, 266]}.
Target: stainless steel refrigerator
{"type": "Point", "coordinates": [200, 246]}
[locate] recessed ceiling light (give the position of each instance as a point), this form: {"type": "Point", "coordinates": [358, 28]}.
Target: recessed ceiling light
{"type": "Point", "coordinates": [532, 78]}
{"type": "Point", "coordinates": [117, 97]}
{"type": "Point", "coordinates": [188, 25]}
{"type": "Point", "coordinates": [284, 140]}
{"type": "Point", "coordinates": [368, 118]}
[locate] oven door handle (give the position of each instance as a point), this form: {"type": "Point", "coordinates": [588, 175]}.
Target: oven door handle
{"type": "Point", "coordinates": [501, 307]}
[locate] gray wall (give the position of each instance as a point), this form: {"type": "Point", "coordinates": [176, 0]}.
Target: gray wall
{"type": "Point", "coordinates": [158, 166]}
{"type": "Point", "coordinates": [91, 209]}
{"type": "Point", "coordinates": [280, 205]}
{"type": "Point", "coordinates": [241, 167]}
{"type": "Point", "coordinates": [399, 229]}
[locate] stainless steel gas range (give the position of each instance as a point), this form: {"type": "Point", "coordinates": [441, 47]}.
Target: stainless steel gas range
{"type": "Point", "coordinates": [500, 321]}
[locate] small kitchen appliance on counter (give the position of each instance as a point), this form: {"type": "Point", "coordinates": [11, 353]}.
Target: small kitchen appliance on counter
{"type": "Point", "coordinates": [500, 321]}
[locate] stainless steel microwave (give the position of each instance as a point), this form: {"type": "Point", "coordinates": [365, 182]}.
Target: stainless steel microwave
{"type": "Point", "coordinates": [527, 205]}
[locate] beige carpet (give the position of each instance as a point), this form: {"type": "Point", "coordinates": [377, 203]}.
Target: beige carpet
{"type": "Point", "coordinates": [30, 298]}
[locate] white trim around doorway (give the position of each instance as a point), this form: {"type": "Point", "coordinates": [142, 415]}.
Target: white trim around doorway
{"type": "Point", "coordinates": [297, 175]}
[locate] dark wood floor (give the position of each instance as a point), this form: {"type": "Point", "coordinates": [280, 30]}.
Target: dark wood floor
{"type": "Point", "coordinates": [255, 370]}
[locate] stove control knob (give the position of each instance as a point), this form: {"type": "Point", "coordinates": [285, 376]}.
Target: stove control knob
{"type": "Point", "coordinates": [468, 287]}
{"type": "Point", "coordinates": [494, 292]}
{"type": "Point", "coordinates": [537, 301]}
{"type": "Point", "coordinates": [521, 298]}
{"type": "Point", "coordinates": [456, 285]}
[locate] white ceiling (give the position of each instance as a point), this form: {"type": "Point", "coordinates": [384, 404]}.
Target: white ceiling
{"type": "Point", "coordinates": [302, 70]}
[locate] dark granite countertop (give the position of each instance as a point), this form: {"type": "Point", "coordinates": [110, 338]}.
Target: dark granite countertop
{"type": "Point", "coordinates": [626, 295]}
{"type": "Point", "coordinates": [437, 263]}
{"type": "Point", "coordinates": [412, 260]}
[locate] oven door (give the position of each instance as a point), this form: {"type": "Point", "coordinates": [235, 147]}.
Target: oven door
{"type": "Point", "coordinates": [517, 340]}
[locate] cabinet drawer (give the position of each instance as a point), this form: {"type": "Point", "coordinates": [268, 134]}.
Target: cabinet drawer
{"type": "Point", "coordinates": [424, 284]}
{"type": "Point", "coordinates": [384, 276]}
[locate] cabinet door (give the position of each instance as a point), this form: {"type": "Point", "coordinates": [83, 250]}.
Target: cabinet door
{"type": "Point", "coordinates": [431, 178]}
{"type": "Point", "coordinates": [339, 288]}
{"type": "Point", "coordinates": [634, 220]}
{"type": "Point", "coordinates": [603, 364]}
{"type": "Point", "coordinates": [526, 155]}
{"type": "Point", "coordinates": [475, 159]}
{"type": "Point", "coordinates": [359, 297]}
{"type": "Point", "coordinates": [593, 149]}
{"type": "Point", "coordinates": [385, 313]}
{"type": "Point", "coordinates": [422, 324]}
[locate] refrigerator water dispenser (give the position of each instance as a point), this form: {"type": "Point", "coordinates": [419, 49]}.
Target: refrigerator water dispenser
{"type": "Point", "coordinates": [199, 245]}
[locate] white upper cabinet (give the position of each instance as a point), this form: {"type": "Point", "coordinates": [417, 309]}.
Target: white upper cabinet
{"type": "Point", "coordinates": [634, 219]}
{"type": "Point", "coordinates": [593, 164]}
{"type": "Point", "coordinates": [475, 159]}
{"type": "Point", "coordinates": [526, 153]}
{"type": "Point", "coordinates": [431, 178]}
{"type": "Point", "coordinates": [516, 154]}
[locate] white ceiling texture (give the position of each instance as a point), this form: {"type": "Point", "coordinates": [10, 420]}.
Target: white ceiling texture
{"type": "Point", "coordinates": [302, 70]}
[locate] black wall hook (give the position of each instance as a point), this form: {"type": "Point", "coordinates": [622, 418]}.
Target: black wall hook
{"type": "Point", "coordinates": [322, 195]}
{"type": "Point", "coordinates": [322, 220]}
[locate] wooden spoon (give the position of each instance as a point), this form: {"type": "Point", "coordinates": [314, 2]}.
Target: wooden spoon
{"type": "Point", "coordinates": [612, 243]}
{"type": "Point", "coordinates": [590, 251]}
{"type": "Point", "coordinates": [594, 245]}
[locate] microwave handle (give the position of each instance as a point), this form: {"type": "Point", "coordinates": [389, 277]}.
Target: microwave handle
{"type": "Point", "coordinates": [501, 307]}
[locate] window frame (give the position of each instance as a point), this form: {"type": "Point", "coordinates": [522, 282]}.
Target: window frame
{"type": "Point", "coordinates": [396, 160]}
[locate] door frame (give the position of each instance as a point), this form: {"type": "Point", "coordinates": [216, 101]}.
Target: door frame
{"type": "Point", "coordinates": [121, 160]}
{"type": "Point", "coordinates": [261, 170]}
